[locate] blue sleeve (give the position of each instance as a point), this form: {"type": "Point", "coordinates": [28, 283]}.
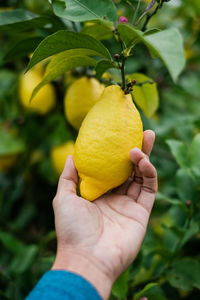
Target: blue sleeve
{"type": "Point", "coordinates": [63, 285]}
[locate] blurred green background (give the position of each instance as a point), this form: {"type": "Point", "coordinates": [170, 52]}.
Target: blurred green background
{"type": "Point", "coordinates": [168, 265]}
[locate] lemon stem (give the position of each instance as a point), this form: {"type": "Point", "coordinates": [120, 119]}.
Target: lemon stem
{"type": "Point", "coordinates": [122, 67]}
{"type": "Point", "coordinates": [123, 73]}
{"type": "Point", "coordinates": [123, 60]}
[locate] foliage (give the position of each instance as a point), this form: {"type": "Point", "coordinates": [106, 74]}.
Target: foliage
{"type": "Point", "coordinates": [83, 38]}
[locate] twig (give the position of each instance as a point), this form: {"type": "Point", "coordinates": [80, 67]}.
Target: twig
{"type": "Point", "coordinates": [122, 64]}
{"type": "Point", "coordinates": [123, 60]}
{"type": "Point", "coordinates": [150, 16]}
{"type": "Point", "coordinates": [123, 73]}
{"type": "Point", "coordinates": [151, 4]}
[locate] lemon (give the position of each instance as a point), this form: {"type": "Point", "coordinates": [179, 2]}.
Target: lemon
{"type": "Point", "coordinates": [79, 99]}
{"type": "Point", "coordinates": [106, 75]}
{"type": "Point", "coordinates": [109, 131]}
{"type": "Point", "coordinates": [44, 100]}
{"type": "Point", "coordinates": [7, 161]}
{"type": "Point", "coordinates": [59, 155]}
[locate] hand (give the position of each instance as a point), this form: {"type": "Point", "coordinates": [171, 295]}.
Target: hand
{"type": "Point", "coordinates": [100, 239]}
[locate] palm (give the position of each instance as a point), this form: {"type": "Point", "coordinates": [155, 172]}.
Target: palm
{"type": "Point", "coordinates": [111, 228]}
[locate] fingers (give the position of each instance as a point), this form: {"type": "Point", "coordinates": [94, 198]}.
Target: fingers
{"type": "Point", "coordinates": [135, 187]}
{"type": "Point", "coordinates": [148, 141]}
{"type": "Point", "coordinates": [69, 177]}
{"type": "Point", "coordinates": [122, 189]}
{"type": "Point", "coordinates": [149, 175]}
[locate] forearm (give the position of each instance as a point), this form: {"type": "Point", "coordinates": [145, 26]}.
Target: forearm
{"type": "Point", "coordinates": [63, 285]}
{"type": "Point", "coordinates": [88, 268]}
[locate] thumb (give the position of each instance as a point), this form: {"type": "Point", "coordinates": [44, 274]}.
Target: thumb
{"type": "Point", "coordinates": [69, 177]}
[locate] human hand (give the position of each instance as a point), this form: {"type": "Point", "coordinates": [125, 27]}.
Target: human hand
{"type": "Point", "coordinates": [100, 239]}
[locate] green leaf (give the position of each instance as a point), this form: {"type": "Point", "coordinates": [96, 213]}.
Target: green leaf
{"type": "Point", "coordinates": [22, 20]}
{"type": "Point", "coordinates": [179, 151]}
{"type": "Point", "coordinates": [120, 287]}
{"type": "Point", "coordinates": [10, 243]}
{"type": "Point", "coordinates": [185, 274]}
{"type": "Point", "coordinates": [193, 229]}
{"type": "Point", "coordinates": [66, 40]}
{"type": "Point", "coordinates": [185, 186]}
{"type": "Point", "coordinates": [146, 95]}
{"type": "Point", "coordinates": [24, 260]}
{"type": "Point", "coordinates": [102, 66]}
{"type": "Point", "coordinates": [98, 31]}
{"type": "Point", "coordinates": [10, 144]}
{"type": "Point", "coordinates": [129, 34]}
{"type": "Point", "coordinates": [152, 291]}
{"type": "Point", "coordinates": [166, 44]}
{"type": "Point", "coordinates": [60, 64]}
{"type": "Point", "coordinates": [85, 10]}
{"type": "Point", "coordinates": [194, 156]}
{"type": "Point", "coordinates": [22, 48]}
{"type": "Point", "coordinates": [7, 80]}
{"type": "Point", "coordinates": [173, 201]}
{"type": "Point", "coordinates": [15, 16]}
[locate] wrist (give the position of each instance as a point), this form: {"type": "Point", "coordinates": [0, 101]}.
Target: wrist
{"type": "Point", "coordinates": [82, 264]}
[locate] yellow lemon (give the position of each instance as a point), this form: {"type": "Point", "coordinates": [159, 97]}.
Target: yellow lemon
{"type": "Point", "coordinates": [44, 100]}
{"type": "Point", "coordinates": [59, 155]}
{"type": "Point", "coordinates": [109, 131]}
{"type": "Point", "coordinates": [7, 161]}
{"type": "Point", "coordinates": [106, 75]}
{"type": "Point", "coordinates": [79, 99]}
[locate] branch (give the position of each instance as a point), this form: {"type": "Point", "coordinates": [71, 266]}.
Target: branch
{"type": "Point", "coordinates": [123, 60]}
{"type": "Point", "coordinates": [149, 17]}
{"type": "Point", "coordinates": [151, 4]}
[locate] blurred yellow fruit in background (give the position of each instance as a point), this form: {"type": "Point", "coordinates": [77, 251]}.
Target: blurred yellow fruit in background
{"type": "Point", "coordinates": [44, 100]}
{"type": "Point", "coordinates": [7, 161]}
{"type": "Point", "coordinates": [10, 146]}
{"type": "Point", "coordinates": [6, 8]}
{"type": "Point", "coordinates": [110, 130]}
{"type": "Point", "coordinates": [79, 99]}
{"type": "Point", "coordinates": [59, 155]}
{"type": "Point", "coordinates": [106, 75]}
